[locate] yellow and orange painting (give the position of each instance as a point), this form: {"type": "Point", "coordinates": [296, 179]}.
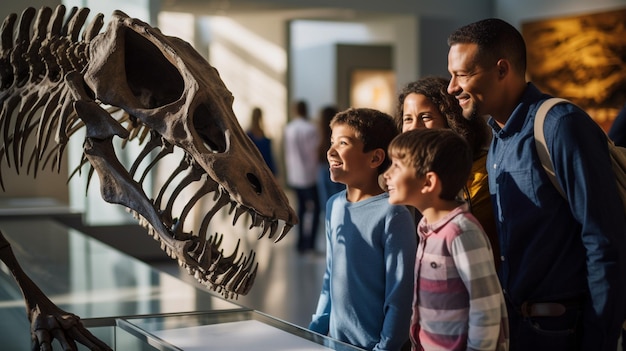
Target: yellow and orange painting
{"type": "Point", "coordinates": [581, 58]}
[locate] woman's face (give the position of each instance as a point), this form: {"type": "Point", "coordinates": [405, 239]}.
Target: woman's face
{"type": "Point", "coordinates": [419, 112]}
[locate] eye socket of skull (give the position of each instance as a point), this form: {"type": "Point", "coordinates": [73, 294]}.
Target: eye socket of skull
{"type": "Point", "coordinates": [255, 183]}
{"type": "Point", "coordinates": [146, 69]}
{"type": "Point", "coordinates": [210, 129]}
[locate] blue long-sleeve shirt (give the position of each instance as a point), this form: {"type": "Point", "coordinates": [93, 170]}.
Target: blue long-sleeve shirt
{"type": "Point", "coordinates": [367, 291]}
{"type": "Point", "coordinates": [553, 248]}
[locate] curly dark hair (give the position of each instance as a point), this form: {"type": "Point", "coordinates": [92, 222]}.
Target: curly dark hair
{"type": "Point", "coordinates": [474, 130]}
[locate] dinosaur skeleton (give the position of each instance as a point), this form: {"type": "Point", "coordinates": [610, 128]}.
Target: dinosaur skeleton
{"type": "Point", "coordinates": [53, 84]}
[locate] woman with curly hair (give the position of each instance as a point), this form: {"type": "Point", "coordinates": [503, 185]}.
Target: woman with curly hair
{"type": "Point", "coordinates": [425, 103]}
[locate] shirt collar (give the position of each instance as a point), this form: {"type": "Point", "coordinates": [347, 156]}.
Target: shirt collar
{"type": "Point", "coordinates": [426, 229]}
{"type": "Point", "coordinates": [518, 118]}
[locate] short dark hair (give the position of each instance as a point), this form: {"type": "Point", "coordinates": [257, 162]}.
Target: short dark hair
{"type": "Point", "coordinates": [495, 39]}
{"type": "Point", "coordinates": [326, 115]}
{"type": "Point", "coordinates": [374, 128]}
{"type": "Point", "coordinates": [435, 150]}
{"type": "Point", "coordinates": [474, 130]}
{"type": "Point", "coordinates": [301, 108]}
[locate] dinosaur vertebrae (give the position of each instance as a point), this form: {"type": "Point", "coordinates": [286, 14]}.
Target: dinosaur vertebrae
{"type": "Point", "coordinates": [32, 71]}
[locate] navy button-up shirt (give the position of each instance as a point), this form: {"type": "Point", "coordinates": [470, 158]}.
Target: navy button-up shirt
{"type": "Point", "coordinates": [553, 248]}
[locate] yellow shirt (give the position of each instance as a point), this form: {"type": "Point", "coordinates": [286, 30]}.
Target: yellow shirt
{"type": "Point", "coordinates": [481, 207]}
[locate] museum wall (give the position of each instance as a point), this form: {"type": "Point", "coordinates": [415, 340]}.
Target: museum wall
{"type": "Point", "coordinates": [517, 12]}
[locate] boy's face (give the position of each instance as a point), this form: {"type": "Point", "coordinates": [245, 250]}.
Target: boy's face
{"type": "Point", "coordinates": [348, 163]}
{"type": "Point", "coordinates": [402, 183]}
{"type": "Point", "coordinates": [419, 112]}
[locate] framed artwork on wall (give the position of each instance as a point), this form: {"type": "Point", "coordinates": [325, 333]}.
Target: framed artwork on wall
{"type": "Point", "coordinates": [581, 58]}
{"type": "Point", "coordinates": [373, 88]}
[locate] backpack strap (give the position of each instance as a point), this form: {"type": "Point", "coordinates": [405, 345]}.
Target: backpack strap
{"type": "Point", "coordinates": [540, 141]}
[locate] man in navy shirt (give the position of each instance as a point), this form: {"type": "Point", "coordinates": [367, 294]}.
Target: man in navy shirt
{"type": "Point", "coordinates": [563, 260]}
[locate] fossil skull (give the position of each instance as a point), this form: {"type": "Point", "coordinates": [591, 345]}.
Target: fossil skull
{"type": "Point", "coordinates": [164, 83]}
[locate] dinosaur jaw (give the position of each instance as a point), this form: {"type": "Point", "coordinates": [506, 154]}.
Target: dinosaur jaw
{"type": "Point", "coordinates": [188, 108]}
{"type": "Point", "coordinates": [200, 254]}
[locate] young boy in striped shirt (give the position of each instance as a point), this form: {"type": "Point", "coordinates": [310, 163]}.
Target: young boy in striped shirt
{"type": "Point", "coordinates": [458, 302]}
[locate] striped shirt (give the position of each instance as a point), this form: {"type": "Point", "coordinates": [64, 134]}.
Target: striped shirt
{"type": "Point", "coordinates": [458, 302]}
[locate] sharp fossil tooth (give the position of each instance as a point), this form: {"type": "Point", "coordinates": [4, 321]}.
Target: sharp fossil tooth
{"type": "Point", "coordinates": [218, 193]}
{"type": "Point", "coordinates": [257, 220]}
{"type": "Point", "coordinates": [204, 189]}
{"type": "Point", "coordinates": [230, 285]}
{"type": "Point", "coordinates": [204, 258]}
{"type": "Point", "coordinates": [284, 232]}
{"type": "Point", "coordinates": [253, 218]}
{"type": "Point", "coordinates": [215, 264]}
{"type": "Point", "coordinates": [251, 259]}
{"type": "Point", "coordinates": [217, 240]}
{"type": "Point", "coordinates": [250, 280]}
{"type": "Point", "coordinates": [238, 212]}
{"type": "Point", "coordinates": [182, 166]}
{"type": "Point", "coordinates": [266, 227]}
{"type": "Point", "coordinates": [273, 227]}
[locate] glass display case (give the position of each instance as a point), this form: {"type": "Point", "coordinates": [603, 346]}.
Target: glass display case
{"type": "Point", "coordinates": [220, 330]}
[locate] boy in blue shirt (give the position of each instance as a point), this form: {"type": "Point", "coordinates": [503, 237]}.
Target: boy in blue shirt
{"type": "Point", "coordinates": [370, 245]}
